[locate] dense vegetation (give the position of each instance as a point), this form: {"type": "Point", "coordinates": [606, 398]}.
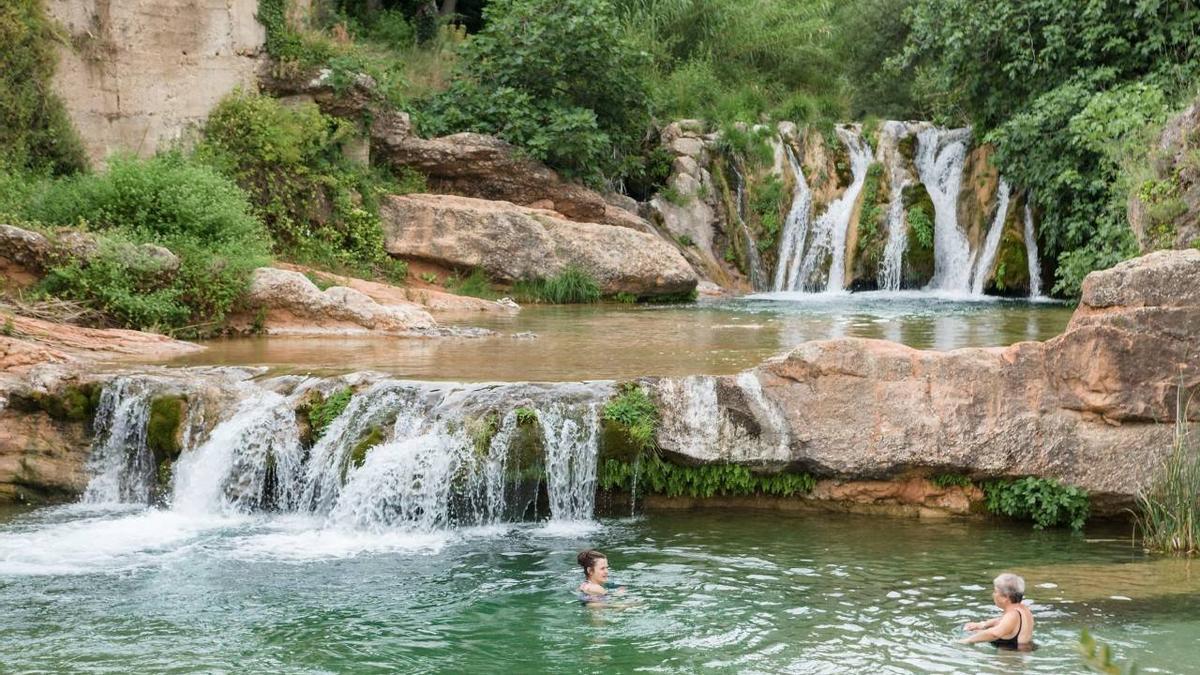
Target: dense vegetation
{"type": "Point", "coordinates": [1168, 513]}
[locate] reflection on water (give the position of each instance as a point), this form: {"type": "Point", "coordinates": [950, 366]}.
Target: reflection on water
{"type": "Point", "coordinates": [729, 591]}
{"type": "Point", "coordinates": [620, 341]}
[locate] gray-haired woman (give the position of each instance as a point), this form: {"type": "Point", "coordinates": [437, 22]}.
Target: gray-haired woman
{"type": "Point", "coordinates": [1013, 629]}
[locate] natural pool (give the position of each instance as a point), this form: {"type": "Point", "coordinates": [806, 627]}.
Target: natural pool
{"type": "Point", "coordinates": [624, 341]}
{"type": "Point", "coordinates": [120, 588]}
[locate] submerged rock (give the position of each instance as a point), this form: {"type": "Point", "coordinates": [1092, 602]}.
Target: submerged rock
{"type": "Point", "coordinates": [510, 242]}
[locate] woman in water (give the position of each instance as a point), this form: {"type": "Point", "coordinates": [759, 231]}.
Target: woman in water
{"type": "Point", "coordinates": [1013, 629]}
{"type": "Point", "coordinates": [595, 575]}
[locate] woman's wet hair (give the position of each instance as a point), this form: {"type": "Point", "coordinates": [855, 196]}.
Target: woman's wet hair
{"type": "Point", "coordinates": [1010, 586]}
{"type": "Point", "coordinates": [587, 559]}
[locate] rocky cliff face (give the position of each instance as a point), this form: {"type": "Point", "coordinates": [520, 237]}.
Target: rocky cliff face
{"type": "Point", "coordinates": [137, 75]}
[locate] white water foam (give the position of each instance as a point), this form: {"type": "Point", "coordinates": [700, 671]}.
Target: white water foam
{"type": "Point", "coordinates": [987, 258]}
{"type": "Point", "coordinates": [941, 154]}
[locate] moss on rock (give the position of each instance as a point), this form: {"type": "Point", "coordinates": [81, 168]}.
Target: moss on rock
{"type": "Point", "coordinates": [74, 403]}
{"type": "Point", "coordinates": [1012, 267]}
{"type": "Point", "coordinates": [358, 454]}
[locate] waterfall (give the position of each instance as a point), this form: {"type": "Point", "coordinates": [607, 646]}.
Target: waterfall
{"type": "Point", "coordinates": [571, 450]}
{"type": "Point", "coordinates": [120, 463]}
{"type": "Point", "coordinates": [758, 277]}
{"type": "Point", "coordinates": [941, 154]}
{"type": "Point", "coordinates": [827, 240]}
{"type": "Point", "coordinates": [795, 228]}
{"type": "Point", "coordinates": [416, 456]}
{"type": "Point", "coordinates": [1031, 251]}
{"type": "Point", "coordinates": [991, 244]}
{"type": "Point", "coordinates": [891, 267]}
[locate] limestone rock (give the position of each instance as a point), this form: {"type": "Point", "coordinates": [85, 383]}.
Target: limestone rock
{"type": "Point", "coordinates": [485, 167]}
{"type": "Point", "coordinates": [138, 76]}
{"type": "Point", "coordinates": [510, 242]}
{"type": "Point", "coordinates": [1092, 407]}
{"type": "Point", "coordinates": [294, 305]}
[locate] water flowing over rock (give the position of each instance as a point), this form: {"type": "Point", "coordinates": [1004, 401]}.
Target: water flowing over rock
{"type": "Point", "coordinates": [1031, 252]}
{"type": "Point", "coordinates": [899, 178]}
{"type": "Point", "coordinates": [510, 242]}
{"type": "Point", "coordinates": [987, 258]}
{"type": "Point", "coordinates": [821, 262]}
{"type": "Point", "coordinates": [939, 161]}
{"type": "Point", "coordinates": [795, 227]}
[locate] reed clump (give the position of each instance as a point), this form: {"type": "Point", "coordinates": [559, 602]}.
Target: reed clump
{"type": "Point", "coordinates": [1168, 512]}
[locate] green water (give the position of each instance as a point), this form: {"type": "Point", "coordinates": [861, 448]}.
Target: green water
{"type": "Point", "coordinates": [157, 591]}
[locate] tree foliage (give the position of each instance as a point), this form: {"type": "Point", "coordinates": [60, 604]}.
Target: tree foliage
{"type": "Point", "coordinates": [557, 79]}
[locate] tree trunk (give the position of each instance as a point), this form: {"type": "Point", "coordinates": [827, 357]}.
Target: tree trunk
{"type": "Point", "coordinates": [449, 7]}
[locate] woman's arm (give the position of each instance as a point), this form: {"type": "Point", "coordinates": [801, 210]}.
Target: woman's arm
{"type": "Point", "coordinates": [981, 625]}
{"type": "Point", "coordinates": [997, 629]}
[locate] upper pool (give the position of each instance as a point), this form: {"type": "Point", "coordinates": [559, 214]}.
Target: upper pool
{"type": "Point", "coordinates": [612, 341]}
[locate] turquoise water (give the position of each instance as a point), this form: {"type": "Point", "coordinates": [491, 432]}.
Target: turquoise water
{"type": "Point", "coordinates": [94, 589]}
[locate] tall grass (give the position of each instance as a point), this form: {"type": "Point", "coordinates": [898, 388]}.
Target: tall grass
{"type": "Point", "coordinates": [1168, 513]}
{"type": "Point", "coordinates": [571, 286]}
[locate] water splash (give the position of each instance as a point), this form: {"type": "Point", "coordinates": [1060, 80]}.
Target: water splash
{"type": "Point", "coordinates": [1031, 251]}
{"type": "Point", "coordinates": [941, 154]}
{"type": "Point", "coordinates": [983, 267]}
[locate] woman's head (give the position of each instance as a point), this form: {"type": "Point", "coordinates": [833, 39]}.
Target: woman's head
{"type": "Point", "coordinates": [595, 565]}
{"type": "Point", "coordinates": [1008, 587]}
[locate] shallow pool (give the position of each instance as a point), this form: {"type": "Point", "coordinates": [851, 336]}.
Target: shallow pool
{"type": "Point", "coordinates": [623, 341]}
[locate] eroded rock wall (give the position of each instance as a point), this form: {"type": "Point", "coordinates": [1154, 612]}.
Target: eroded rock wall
{"type": "Point", "coordinates": [136, 76]}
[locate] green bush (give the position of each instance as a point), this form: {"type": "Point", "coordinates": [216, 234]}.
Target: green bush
{"type": "Point", "coordinates": [555, 78]}
{"type": "Point", "coordinates": [571, 286]}
{"type": "Point", "coordinates": [323, 412]}
{"type": "Point", "coordinates": [196, 213]}
{"type": "Point", "coordinates": [35, 133]}
{"type": "Point", "coordinates": [318, 208]}
{"type": "Point", "coordinates": [1045, 501]}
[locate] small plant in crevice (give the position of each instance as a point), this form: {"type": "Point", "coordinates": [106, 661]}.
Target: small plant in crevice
{"type": "Point", "coordinates": [945, 480]}
{"type": "Point", "coordinates": [526, 416]}
{"type": "Point", "coordinates": [636, 413]}
{"type": "Point", "coordinates": [625, 298]}
{"type": "Point", "coordinates": [1045, 501]}
{"type": "Point", "coordinates": [322, 413]}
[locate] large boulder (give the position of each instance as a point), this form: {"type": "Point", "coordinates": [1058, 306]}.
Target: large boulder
{"type": "Point", "coordinates": [511, 242]}
{"type": "Point", "coordinates": [1092, 407]}
{"type": "Point", "coordinates": [485, 167]}
{"type": "Point", "coordinates": [292, 304]}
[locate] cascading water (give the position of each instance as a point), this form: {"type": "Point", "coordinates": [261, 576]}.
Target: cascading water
{"type": "Point", "coordinates": [822, 263]}
{"type": "Point", "coordinates": [758, 277]}
{"type": "Point", "coordinates": [941, 154]}
{"type": "Point", "coordinates": [983, 266]}
{"type": "Point", "coordinates": [891, 267]}
{"type": "Point", "coordinates": [795, 228]}
{"type": "Point", "coordinates": [121, 465]}
{"type": "Point", "coordinates": [412, 456]}
{"type": "Point", "coordinates": [1031, 251]}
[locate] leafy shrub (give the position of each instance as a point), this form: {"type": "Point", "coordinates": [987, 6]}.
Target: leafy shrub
{"type": "Point", "coordinates": [555, 78]}
{"type": "Point", "coordinates": [318, 208]}
{"type": "Point", "coordinates": [636, 413]}
{"type": "Point", "coordinates": [35, 132]}
{"type": "Point", "coordinates": [1045, 501]}
{"type": "Point", "coordinates": [572, 285]}
{"type": "Point", "coordinates": [186, 207]}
